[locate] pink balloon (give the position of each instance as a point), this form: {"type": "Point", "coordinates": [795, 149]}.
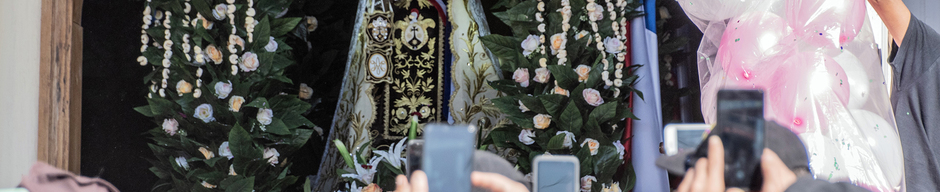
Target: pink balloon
{"type": "Point", "coordinates": [826, 23]}
{"type": "Point", "coordinates": [798, 83]}
{"type": "Point", "coordinates": [747, 40]}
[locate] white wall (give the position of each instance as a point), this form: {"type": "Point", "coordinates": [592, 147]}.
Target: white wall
{"type": "Point", "coordinates": [19, 88]}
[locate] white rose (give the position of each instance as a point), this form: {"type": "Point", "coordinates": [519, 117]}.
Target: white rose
{"type": "Point", "coordinates": [543, 62]}
{"type": "Point", "coordinates": [530, 44]}
{"type": "Point", "coordinates": [592, 145]}
{"type": "Point", "coordinates": [542, 75]}
{"type": "Point", "coordinates": [219, 11]}
{"type": "Point", "coordinates": [222, 89]}
{"type": "Point", "coordinates": [613, 45]}
{"type": "Point", "coordinates": [597, 14]}
{"type": "Point", "coordinates": [592, 97]}
{"type": "Point", "coordinates": [249, 62]}
{"type": "Point", "coordinates": [558, 42]}
{"type": "Point", "coordinates": [569, 138]}
{"type": "Point", "coordinates": [181, 161]}
{"type": "Point", "coordinates": [619, 147]}
{"type": "Point", "coordinates": [542, 121]}
{"type": "Point", "coordinates": [204, 112]}
{"type": "Point", "coordinates": [521, 76]}
{"type": "Point", "coordinates": [586, 182]}
{"type": "Point", "coordinates": [272, 45]}
{"type": "Point", "coordinates": [526, 136]}
{"type": "Point", "coordinates": [183, 87]}
{"type": "Point", "coordinates": [305, 91]}
{"type": "Point", "coordinates": [271, 155]}
{"type": "Point", "coordinates": [224, 151]}
{"type": "Point", "coordinates": [583, 72]}
{"type": "Point", "coordinates": [170, 126]}
{"type": "Point", "coordinates": [197, 93]}
{"type": "Point", "coordinates": [264, 116]}
{"type": "Point", "coordinates": [235, 103]}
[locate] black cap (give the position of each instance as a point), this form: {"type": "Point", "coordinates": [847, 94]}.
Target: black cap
{"type": "Point", "coordinates": [777, 138]}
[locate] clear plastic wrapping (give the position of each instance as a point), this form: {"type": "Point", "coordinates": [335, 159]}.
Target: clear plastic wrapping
{"type": "Point", "coordinates": [820, 68]}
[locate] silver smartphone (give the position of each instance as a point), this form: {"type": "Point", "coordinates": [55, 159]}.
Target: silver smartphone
{"type": "Point", "coordinates": [447, 158]}
{"type": "Point", "coordinates": [551, 173]}
{"type": "Point", "coordinates": [679, 138]}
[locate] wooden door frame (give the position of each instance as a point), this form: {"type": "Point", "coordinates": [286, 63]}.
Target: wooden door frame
{"type": "Point", "coordinates": [60, 84]}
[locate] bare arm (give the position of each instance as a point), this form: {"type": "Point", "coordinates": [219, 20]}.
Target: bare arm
{"type": "Point", "coordinates": [895, 15]}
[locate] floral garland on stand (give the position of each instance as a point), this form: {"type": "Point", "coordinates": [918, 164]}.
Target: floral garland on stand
{"type": "Point", "coordinates": [546, 119]}
{"type": "Point", "coordinates": [208, 138]}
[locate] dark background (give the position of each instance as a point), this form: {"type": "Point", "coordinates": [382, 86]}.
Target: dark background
{"type": "Point", "coordinates": [114, 146]}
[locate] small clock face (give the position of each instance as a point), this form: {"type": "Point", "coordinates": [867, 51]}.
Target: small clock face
{"type": "Point", "coordinates": [378, 66]}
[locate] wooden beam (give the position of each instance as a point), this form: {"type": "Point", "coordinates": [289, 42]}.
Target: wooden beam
{"type": "Point", "coordinates": [60, 84]}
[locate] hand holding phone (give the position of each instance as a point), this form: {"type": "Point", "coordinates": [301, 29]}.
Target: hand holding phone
{"type": "Point", "coordinates": [447, 157]}
{"type": "Point", "coordinates": [740, 127]}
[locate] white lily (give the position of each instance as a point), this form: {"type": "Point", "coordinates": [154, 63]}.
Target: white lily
{"type": "Point", "coordinates": [364, 174]}
{"type": "Point", "coordinates": [393, 155]}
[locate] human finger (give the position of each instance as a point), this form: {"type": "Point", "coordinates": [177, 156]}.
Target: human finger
{"type": "Point", "coordinates": [401, 184]}
{"type": "Point", "coordinates": [735, 189]}
{"type": "Point", "coordinates": [700, 182]}
{"type": "Point", "coordinates": [686, 183]}
{"type": "Point", "coordinates": [419, 181]}
{"type": "Point", "coordinates": [716, 164]}
{"type": "Point", "coordinates": [495, 182]}
{"type": "Point", "coordinates": [777, 176]}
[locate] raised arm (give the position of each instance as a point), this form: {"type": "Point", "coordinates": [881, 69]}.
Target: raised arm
{"type": "Point", "coordinates": [895, 15]}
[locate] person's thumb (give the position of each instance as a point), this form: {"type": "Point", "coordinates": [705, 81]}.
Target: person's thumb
{"type": "Point", "coordinates": [777, 176]}
{"type": "Point", "coordinates": [495, 182]}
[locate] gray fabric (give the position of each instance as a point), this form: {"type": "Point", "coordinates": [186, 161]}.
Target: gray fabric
{"type": "Point", "coordinates": [916, 101]}
{"type": "Point", "coordinates": [488, 162]}
{"type": "Point", "coordinates": [808, 184]}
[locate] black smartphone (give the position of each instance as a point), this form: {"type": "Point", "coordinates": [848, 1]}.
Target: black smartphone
{"type": "Point", "coordinates": [413, 155]}
{"type": "Point", "coordinates": [740, 126]}
{"type": "Point", "coordinates": [447, 157]}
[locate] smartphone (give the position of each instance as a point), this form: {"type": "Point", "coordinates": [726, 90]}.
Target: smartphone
{"type": "Point", "coordinates": [556, 173]}
{"type": "Point", "coordinates": [740, 126]}
{"type": "Point", "coordinates": [447, 157]}
{"type": "Point", "coordinates": [413, 156]}
{"type": "Point", "coordinates": [684, 137]}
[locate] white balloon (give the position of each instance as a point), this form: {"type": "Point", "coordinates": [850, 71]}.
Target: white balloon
{"type": "Point", "coordinates": [858, 79]}
{"type": "Point", "coordinates": [884, 143]}
{"type": "Point", "coordinates": [715, 10]}
{"type": "Point", "coordinates": [825, 158]}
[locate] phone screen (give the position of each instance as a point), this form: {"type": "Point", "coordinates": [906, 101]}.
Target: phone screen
{"type": "Point", "coordinates": [740, 126]}
{"type": "Point", "coordinates": [556, 176]}
{"type": "Point", "coordinates": [688, 140]}
{"type": "Point", "coordinates": [447, 157]}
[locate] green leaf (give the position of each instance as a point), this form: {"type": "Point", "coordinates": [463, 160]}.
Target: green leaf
{"type": "Point", "coordinates": [534, 104]}
{"type": "Point", "coordinates": [160, 106]}
{"type": "Point", "coordinates": [605, 112]}
{"type": "Point", "coordinates": [211, 162]}
{"type": "Point", "coordinates": [240, 184]}
{"type": "Point", "coordinates": [606, 162]}
{"type": "Point", "coordinates": [570, 119]}
{"type": "Point", "coordinates": [202, 7]}
{"type": "Point", "coordinates": [277, 127]}
{"type": "Point", "coordinates": [243, 148]}
{"type": "Point", "coordinates": [260, 102]}
{"type": "Point", "coordinates": [306, 185]}
{"type": "Point", "coordinates": [507, 86]}
{"type": "Point", "coordinates": [553, 103]}
{"type": "Point", "coordinates": [628, 180]}
{"type": "Point", "coordinates": [159, 173]}
{"type": "Point", "coordinates": [503, 47]}
{"type": "Point", "coordinates": [145, 110]}
{"type": "Point", "coordinates": [509, 106]}
{"type": "Point", "coordinates": [261, 35]}
{"type": "Point", "coordinates": [341, 148]}
{"type": "Point", "coordinates": [557, 142]}
{"type": "Point", "coordinates": [282, 26]}
{"type": "Point", "coordinates": [587, 162]}
{"type": "Point", "coordinates": [565, 76]}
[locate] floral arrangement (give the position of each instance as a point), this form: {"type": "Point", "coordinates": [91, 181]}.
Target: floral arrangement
{"type": "Point", "coordinates": [569, 87]}
{"type": "Point", "coordinates": [216, 94]}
